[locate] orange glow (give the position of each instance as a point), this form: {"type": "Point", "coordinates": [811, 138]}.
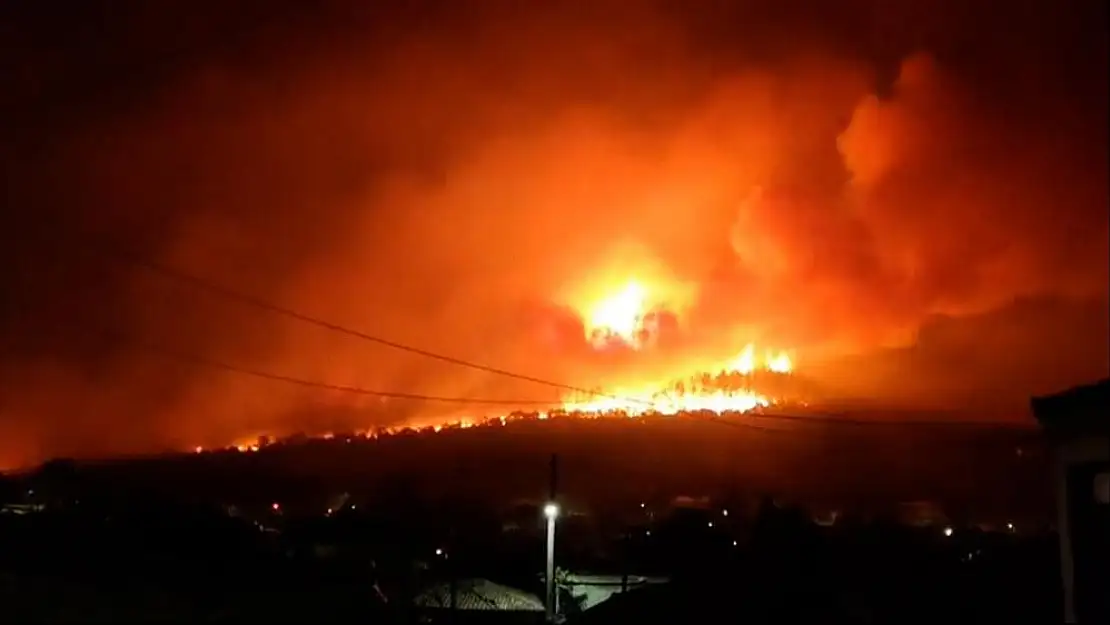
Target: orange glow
{"type": "Point", "coordinates": [564, 218]}
{"type": "Point", "coordinates": [620, 315]}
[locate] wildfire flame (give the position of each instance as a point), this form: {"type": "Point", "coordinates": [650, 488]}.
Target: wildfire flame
{"type": "Point", "coordinates": [625, 315]}
{"type": "Point", "coordinates": [669, 403]}
{"type": "Point", "coordinates": [746, 363]}
{"type": "Point", "coordinates": [779, 363]}
{"type": "Point", "coordinates": [730, 390]}
{"type": "Point", "coordinates": [620, 315]}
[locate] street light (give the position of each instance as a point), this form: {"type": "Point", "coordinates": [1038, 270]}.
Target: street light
{"type": "Point", "coordinates": [551, 512]}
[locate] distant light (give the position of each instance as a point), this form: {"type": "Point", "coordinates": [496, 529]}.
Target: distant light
{"type": "Point", "coordinates": [948, 531]}
{"type": "Point", "coordinates": [275, 506]}
{"type": "Point", "coordinates": [439, 552]}
{"type": "Point", "coordinates": [551, 510]}
{"type": "Point", "coordinates": [1010, 526]}
{"type": "Point", "coordinates": [724, 512]}
{"type": "Point", "coordinates": [734, 543]}
{"type": "Point", "coordinates": [329, 510]}
{"type": "Point", "coordinates": [643, 505]}
{"type": "Point", "coordinates": [198, 449]}
{"type": "Point", "coordinates": [647, 532]}
{"type": "Point", "coordinates": [354, 507]}
{"type": "Point", "coordinates": [711, 524]}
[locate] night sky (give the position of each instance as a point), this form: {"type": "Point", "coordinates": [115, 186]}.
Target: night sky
{"type": "Point", "coordinates": [910, 196]}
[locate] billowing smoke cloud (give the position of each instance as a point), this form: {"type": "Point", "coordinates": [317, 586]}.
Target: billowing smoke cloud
{"type": "Point", "coordinates": [837, 183]}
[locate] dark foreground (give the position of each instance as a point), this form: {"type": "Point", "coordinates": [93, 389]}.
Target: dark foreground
{"type": "Point", "coordinates": [782, 568]}
{"type": "Point", "coordinates": [362, 530]}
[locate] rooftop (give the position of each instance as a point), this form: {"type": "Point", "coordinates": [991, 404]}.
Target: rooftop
{"type": "Point", "coordinates": [1080, 409]}
{"type": "Point", "coordinates": [479, 594]}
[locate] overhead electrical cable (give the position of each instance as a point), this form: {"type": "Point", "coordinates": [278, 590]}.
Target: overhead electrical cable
{"type": "Point", "coordinates": [229, 293]}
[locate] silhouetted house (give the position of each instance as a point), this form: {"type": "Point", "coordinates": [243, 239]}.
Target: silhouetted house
{"type": "Point", "coordinates": [1077, 423]}
{"type": "Point", "coordinates": [478, 600]}
{"type": "Point", "coordinates": [588, 590]}
{"type": "Point", "coordinates": [658, 604]}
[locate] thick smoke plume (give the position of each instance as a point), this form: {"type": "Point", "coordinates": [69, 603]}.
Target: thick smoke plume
{"type": "Point", "coordinates": [912, 198]}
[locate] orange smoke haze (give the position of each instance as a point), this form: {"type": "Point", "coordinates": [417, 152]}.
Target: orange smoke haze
{"type": "Point", "coordinates": [912, 200]}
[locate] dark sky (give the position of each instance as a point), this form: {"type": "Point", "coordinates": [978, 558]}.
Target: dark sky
{"type": "Point", "coordinates": [911, 196]}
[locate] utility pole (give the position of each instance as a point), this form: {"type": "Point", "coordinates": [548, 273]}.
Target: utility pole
{"type": "Point", "coordinates": [551, 512]}
{"type": "Point", "coordinates": [626, 548]}
{"type": "Point", "coordinates": [454, 579]}
{"type": "Point", "coordinates": [554, 477]}
{"type": "Point", "coordinates": [451, 554]}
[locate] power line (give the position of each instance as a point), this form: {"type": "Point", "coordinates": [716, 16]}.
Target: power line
{"type": "Point", "coordinates": [223, 291]}
{"type": "Point", "coordinates": [229, 293]}
{"type": "Point", "coordinates": [261, 304]}
{"type": "Point", "coordinates": [356, 390]}
{"type": "Point", "coordinates": [232, 294]}
{"type": "Point", "coordinates": [202, 361]}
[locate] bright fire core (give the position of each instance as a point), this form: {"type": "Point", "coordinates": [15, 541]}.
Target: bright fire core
{"type": "Point", "coordinates": [625, 317]}
{"type": "Point", "coordinates": [729, 390]}
{"type": "Point", "coordinates": [620, 316]}
{"type": "Point", "coordinates": [733, 386]}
